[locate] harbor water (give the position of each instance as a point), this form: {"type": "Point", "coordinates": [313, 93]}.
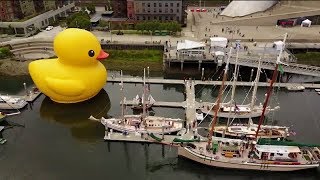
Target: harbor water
{"type": "Point", "coordinates": [59, 142]}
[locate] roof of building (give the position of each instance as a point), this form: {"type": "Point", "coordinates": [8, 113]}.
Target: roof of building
{"type": "Point", "coordinates": [278, 149]}
{"type": "Point", "coordinates": [95, 18]}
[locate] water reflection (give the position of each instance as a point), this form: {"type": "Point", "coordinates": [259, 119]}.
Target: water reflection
{"type": "Point", "coordinates": [75, 116]}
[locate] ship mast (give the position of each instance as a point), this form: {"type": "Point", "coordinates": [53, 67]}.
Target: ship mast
{"type": "Point", "coordinates": [217, 108]}
{"type": "Point", "coordinates": [274, 77]}
{"type": "Point", "coordinates": [235, 76]}
{"type": "Point", "coordinates": [122, 93]}
{"type": "Point", "coordinates": [256, 81]}
{"type": "Point", "coordinates": [144, 94]}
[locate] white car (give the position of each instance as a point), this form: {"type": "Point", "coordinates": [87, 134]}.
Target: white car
{"type": "Point", "coordinates": [49, 28]}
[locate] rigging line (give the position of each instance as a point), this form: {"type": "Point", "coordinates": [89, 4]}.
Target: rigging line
{"type": "Point", "coordinates": [246, 95]}
{"type": "Point", "coordinates": [213, 106]}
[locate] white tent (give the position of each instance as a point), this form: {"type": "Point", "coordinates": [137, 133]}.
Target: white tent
{"type": "Point", "coordinates": [219, 42]}
{"type": "Point", "coordinates": [188, 45]}
{"type": "Point", "coordinates": [279, 45]}
{"type": "Point", "coordinates": [219, 53]}
{"type": "Point", "coordinates": [306, 23]}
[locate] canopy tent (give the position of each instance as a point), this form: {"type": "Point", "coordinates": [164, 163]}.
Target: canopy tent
{"type": "Point", "coordinates": [306, 23]}
{"type": "Point", "coordinates": [219, 53]}
{"type": "Point", "coordinates": [279, 45]}
{"type": "Point", "coordinates": [188, 45]}
{"type": "Point", "coordinates": [219, 42]}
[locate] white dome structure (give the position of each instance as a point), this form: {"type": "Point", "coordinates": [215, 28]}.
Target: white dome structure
{"type": "Point", "coordinates": [243, 8]}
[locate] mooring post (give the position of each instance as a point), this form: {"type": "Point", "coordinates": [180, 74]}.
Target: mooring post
{"type": "Point", "coordinates": [202, 73]}
{"type": "Point", "coordinates": [181, 66]}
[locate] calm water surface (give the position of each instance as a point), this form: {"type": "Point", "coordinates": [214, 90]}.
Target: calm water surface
{"type": "Point", "coordinates": [59, 142]}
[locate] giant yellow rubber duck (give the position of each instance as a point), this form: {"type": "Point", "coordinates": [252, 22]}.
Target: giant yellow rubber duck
{"type": "Point", "coordinates": [76, 75]}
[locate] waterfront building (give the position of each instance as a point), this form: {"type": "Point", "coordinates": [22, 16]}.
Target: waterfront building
{"type": "Point", "coordinates": [51, 11]}
{"type": "Point", "coordinates": [168, 10]}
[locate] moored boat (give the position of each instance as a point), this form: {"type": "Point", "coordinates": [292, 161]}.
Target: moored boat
{"type": "Point", "coordinates": [8, 102]}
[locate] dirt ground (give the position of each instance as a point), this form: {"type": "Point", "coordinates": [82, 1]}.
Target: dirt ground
{"type": "Point", "coordinates": [13, 68]}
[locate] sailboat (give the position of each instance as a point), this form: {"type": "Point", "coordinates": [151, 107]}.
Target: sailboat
{"type": "Point", "coordinates": [138, 100]}
{"type": "Point", "coordinates": [141, 123]}
{"type": "Point", "coordinates": [9, 103]}
{"type": "Point", "coordinates": [138, 103]}
{"type": "Point", "coordinates": [233, 110]}
{"type": "Point", "coordinates": [248, 155]}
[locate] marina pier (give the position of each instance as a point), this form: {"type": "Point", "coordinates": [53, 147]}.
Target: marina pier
{"type": "Point", "coordinates": [214, 83]}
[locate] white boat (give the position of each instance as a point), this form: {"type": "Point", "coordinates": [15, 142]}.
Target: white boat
{"type": "Point", "coordinates": [8, 102]}
{"type": "Point", "coordinates": [317, 90]}
{"type": "Point", "coordinates": [138, 124]}
{"type": "Point", "coordinates": [249, 130]}
{"type": "Point", "coordinates": [141, 123]}
{"type": "Point", "coordinates": [237, 156]}
{"type": "Point", "coordinates": [295, 87]}
{"type": "Point", "coordinates": [138, 102]}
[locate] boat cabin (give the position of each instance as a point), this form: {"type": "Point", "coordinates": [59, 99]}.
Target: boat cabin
{"type": "Point", "coordinates": [277, 153]}
{"type": "Point", "coordinates": [238, 109]}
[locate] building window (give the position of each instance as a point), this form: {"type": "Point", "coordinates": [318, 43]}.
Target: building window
{"type": "Point", "coordinates": [149, 18]}
{"type": "Point", "coordinates": [138, 18]}
{"type": "Point", "coordinates": [171, 18]}
{"type": "Point", "coordinates": [160, 4]}
{"type": "Point", "coordinates": [154, 10]}
{"type": "Point", "coordinates": [143, 4]}
{"type": "Point", "coordinates": [165, 4]}
{"type": "Point", "coordinates": [154, 4]}
{"type": "Point", "coordinates": [143, 10]}
{"type": "Point", "coordinates": [166, 18]}
{"type": "Point", "coordinates": [160, 10]}
{"type": "Point", "coordinates": [178, 4]}
{"type": "Point", "coordinates": [148, 10]}
{"type": "Point", "coordinates": [177, 18]}
{"type": "Point", "coordinates": [178, 10]}
{"type": "Point", "coordinates": [143, 18]}
{"type": "Point", "coordinates": [148, 4]}
{"type": "Point", "coordinates": [166, 10]}
{"type": "Point", "coordinates": [154, 18]}
{"type": "Point", "coordinates": [171, 10]}
{"type": "Point", "coordinates": [171, 4]}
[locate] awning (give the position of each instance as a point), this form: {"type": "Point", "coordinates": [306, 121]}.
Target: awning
{"type": "Point", "coordinates": [189, 45]}
{"type": "Point", "coordinates": [219, 41]}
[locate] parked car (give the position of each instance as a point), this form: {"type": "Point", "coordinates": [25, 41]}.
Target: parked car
{"type": "Point", "coordinates": [49, 28]}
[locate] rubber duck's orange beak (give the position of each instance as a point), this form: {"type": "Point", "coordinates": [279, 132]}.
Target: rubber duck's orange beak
{"type": "Point", "coordinates": [102, 55]}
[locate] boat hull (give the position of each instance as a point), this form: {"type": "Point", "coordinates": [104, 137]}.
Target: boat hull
{"type": "Point", "coordinates": [155, 128]}
{"type": "Point", "coordinates": [187, 153]}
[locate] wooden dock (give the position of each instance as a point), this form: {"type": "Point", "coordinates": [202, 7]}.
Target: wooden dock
{"type": "Point", "coordinates": [214, 83]}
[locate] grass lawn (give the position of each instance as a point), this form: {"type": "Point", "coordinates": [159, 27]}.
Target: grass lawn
{"type": "Point", "coordinates": [310, 58]}
{"type": "Point", "coordinates": [134, 59]}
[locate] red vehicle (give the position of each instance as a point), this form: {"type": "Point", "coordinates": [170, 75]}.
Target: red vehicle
{"type": "Point", "coordinates": [203, 10]}
{"type": "Point", "coordinates": [192, 10]}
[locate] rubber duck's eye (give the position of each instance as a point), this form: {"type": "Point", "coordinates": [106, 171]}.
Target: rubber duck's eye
{"type": "Point", "coordinates": [91, 53]}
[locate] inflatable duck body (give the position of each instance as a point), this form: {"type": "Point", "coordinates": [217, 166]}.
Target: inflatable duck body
{"type": "Point", "coordinates": [76, 75]}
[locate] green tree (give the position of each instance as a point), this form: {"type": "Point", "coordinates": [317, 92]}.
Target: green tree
{"type": "Point", "coordinates": [79, 20]}
{"type": "Point", "coordinates": [91, 8]}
